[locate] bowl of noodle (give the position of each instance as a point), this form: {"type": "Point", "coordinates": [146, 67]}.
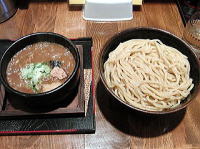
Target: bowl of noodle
{"type": "Point", "coordinates": [150, 70]}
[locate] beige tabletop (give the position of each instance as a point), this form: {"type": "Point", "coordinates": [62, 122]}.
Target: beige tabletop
{"type": "Point", "coordinates": [113, 129]}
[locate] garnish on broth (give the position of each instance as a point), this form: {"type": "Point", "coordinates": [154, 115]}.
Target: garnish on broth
{"type": "Point", "coordinates": [34, 73]}
{"type": "Point", "coordinates": [58, 73]}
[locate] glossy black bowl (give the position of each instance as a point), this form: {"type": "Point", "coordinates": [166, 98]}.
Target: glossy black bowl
{"type": "Point", "coordinates": [45, 99]}
{"type": "Point", "coordinates": [168, 39]}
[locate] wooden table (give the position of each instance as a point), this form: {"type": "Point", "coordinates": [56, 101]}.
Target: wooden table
{"type": "Point", "coordinates": [114, 129]}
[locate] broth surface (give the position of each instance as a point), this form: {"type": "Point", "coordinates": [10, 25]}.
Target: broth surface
{"type": "Point", "coordinates": [41, 52]}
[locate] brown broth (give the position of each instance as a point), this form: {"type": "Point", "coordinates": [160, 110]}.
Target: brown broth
{"type": "Point", "coordinates": [38, 53]}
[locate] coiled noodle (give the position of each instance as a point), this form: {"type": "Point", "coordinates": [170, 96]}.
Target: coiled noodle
{"type": "Point", "coordinates": [148, 74]}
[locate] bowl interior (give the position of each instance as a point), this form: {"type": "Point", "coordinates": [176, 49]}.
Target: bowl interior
{"type": "Point", "coordinates": [168, 39]}
{"type": "Point", "coordinates": [31, 39]}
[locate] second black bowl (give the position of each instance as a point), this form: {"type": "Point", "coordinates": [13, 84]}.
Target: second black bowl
{"type": "Point", "coordinates": [168, 39]}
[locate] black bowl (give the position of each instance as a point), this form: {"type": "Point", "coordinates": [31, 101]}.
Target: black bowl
{"type": "Point", "coordinates": [47, 98]}
{"type": "Point", "coordinates": [168, 39]}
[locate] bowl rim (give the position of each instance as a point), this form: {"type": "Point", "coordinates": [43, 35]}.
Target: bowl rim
{"type": "Point", "coordinates": [23, 94]}
{"type": "Point", "coordinates": [101, 69]}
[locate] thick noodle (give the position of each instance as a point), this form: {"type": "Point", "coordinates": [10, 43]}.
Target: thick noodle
{"type": "Point", "coordinates": [148, 74]}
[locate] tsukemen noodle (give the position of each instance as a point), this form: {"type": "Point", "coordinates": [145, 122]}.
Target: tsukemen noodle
{"type": "Point", "coordinates": [148, 74]}
{"type": "Point", "coordinates": [40, 67]}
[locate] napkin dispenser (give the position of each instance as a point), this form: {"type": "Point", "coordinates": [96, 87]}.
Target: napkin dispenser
{"type": "Point", "coordinates": [104, 10]}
